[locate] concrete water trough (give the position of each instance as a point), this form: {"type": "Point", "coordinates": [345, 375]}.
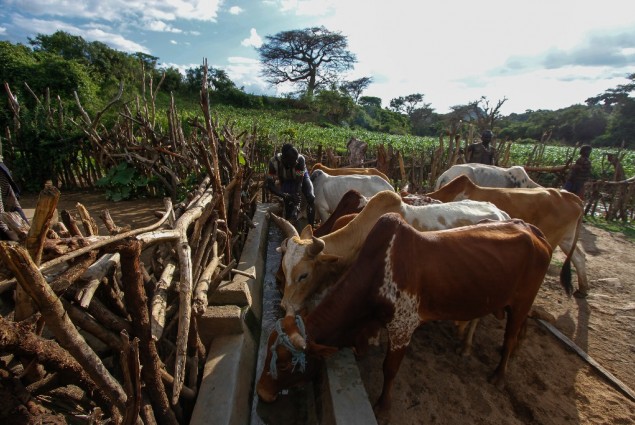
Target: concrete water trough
{"type": "Point", "coordinates": [235, 328]}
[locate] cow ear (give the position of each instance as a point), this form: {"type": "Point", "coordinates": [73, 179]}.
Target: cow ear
{"type": "Point", "coordinates": [329, 258]}
{"type": "Point", "coordinates": [307, 232]}
{"type": "Point", "coordinates": [323, 351]}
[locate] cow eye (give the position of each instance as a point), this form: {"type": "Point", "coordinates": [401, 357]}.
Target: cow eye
{"type": "Point", "coordinates": [302, 277]}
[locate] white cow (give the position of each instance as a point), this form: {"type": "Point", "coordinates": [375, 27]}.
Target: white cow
{"type": "Point", "coordinates": [329, 190]}
{"type": "Point", "coordinates": [488, 176]}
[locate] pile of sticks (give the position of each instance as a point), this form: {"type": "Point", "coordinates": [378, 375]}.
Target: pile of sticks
{"type": "Point", "coordinates": [123, 332]}
{"type": "Point", "coordinates": [108, 323]}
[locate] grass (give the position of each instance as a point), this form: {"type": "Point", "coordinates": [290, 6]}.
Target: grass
{"type": "Point", "coordinates": [627, 229]}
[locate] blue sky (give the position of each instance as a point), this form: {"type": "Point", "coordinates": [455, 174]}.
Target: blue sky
{"type": "Point", "coordinates": [538, 55]}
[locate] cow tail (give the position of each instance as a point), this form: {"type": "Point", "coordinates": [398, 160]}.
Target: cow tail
{"type": "Point", "coordinates": [565, 272]}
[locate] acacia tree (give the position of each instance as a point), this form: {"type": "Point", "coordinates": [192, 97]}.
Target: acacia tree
{"type": "Point", "coordinates": [312, 57]}
{"type": "Point", "coordinates": [355, 88]}
{"type": "Point", "coordinates": [408, 104]}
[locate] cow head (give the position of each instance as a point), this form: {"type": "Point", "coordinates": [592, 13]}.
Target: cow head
{"type": "Point", "coordinates": [291, 358]}
{"type": "Point", "coordinates": [301, 253]}
{"type": "Point", "coordinates": [304, 266]}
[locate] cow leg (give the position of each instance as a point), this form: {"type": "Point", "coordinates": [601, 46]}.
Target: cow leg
{"type": "Point", "coordinates": [468, 337]}
{"type": "Point", "coordinates": [579, 262]}
{"type": "Point", "coordinates": [391, 366]}
{"type": "Point", "coordinates": [515, 321]}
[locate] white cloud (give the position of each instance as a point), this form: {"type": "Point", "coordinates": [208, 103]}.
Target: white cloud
{"type": "Point", "coordinates": [244, 72]}
{"type": "Point", "coordinates": [180, 67]}
{"type": "Point", "coordinates": [307, 7]}
{"type": "Point", "coordinates": [173, 42]}
{"type": "Point", "coordinates": [253, 40]}
{"type": "Point", "coordinates": [89, 33]}
{"type": "Point", "coordinates": [160, 26]}
{"type": "Point", "coordinates": [3, 30]}
{"type": "Point", "coordinates": [120, 10]}
{"type": "Point", "coordinates": [236, 10]}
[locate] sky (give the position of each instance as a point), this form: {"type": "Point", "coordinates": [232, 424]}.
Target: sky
{"type": "Point", "coordinates": [537, 55]}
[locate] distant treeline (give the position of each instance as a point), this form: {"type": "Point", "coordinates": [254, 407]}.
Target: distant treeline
{"type": "Point", "coordinates": [64, 97]}
{"type": "Point", "coordinates": [59, 64]}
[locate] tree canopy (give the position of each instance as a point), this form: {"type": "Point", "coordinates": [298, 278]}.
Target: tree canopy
{"type": "Point", "coordinates": [312, 57]}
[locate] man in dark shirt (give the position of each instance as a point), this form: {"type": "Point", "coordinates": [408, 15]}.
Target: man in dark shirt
{"type": "Point", "coordinates": [580, 173]}
{"type": "Point", "coordinates": [482, 152]}
{"type": "Point", "coordinates": [289, 168]}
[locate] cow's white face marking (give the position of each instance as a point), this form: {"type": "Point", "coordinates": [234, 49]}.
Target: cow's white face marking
{"type": "Point", "coordinates": [292, 257]}
{"type": "Point", "coordinates": [406, 318]}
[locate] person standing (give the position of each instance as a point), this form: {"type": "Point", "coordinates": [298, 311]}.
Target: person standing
{"type": "Point", "coordinates": [289, 168]}
{"type": "Point", "coordinates": [482, 152]}
{"type": "Point", "coordinates": [580, 173]}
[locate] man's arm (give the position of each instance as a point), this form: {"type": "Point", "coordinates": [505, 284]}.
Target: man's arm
{"type": "Point", "coordinates": [298, 175]}
{"type": "Point", "coordinates": [270, 180]}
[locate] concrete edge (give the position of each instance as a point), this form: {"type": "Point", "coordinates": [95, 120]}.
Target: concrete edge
{"type": "Point", "coordinates": [225, 390]}
{"type": "Point", "coordinates": [344, 400]}
{"type": "Point", "coordinates": [224, 396]}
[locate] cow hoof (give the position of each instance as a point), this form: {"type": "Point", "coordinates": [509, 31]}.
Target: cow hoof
{"type": "Point", "coordinates": [580, 294]}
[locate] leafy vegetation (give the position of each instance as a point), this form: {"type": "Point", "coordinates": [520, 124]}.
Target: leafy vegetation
{"type": "Point", "coordinates": [123, 182]}
{"type": "Point", "coordinates": [45, 76]}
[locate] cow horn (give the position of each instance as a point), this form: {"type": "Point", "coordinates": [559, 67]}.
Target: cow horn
{"type": "Point", "coordinates": [316, 247]}
{"type": "Point", "coordinates": [284, 225]}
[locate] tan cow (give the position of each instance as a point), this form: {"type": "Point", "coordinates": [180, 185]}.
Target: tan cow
{"type": "Point", "coordinates": [348, 171]}
{"type": "Point", "coordinates": [556, 212]}
{"type": "Point", "coordinates": [312, 264]}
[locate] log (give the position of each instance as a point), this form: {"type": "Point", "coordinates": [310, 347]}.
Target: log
{"type": "Point", "coordinates": [16, 223]}
{"type": "Point", "coordinates": [44, 210]}
{"type": "Point", "coordinates": [93, 277]}
{"type": "Point", "coordinates": [136, 302]}
{"type": "Point", "coordinates": [132, 378]}
{"type": "Point", "coordinates": [572, 345]}
{"type": "Point", "coordinates": [73, 273]}
{"type": "Point", "coordinates": [70, 222]}
{"type": "Point", "coordinates": [90, 225]}
{"type": "Point", "coordinates": [554, 169]}
{"type": "Point", "coordinates": [160, 298]}
{"type": "Point", "coordinates": [112, 228]}
{"type": "Point", "coordinates": [90, 325]}
{"type": "Point", "coordinates": [199, 304]}
{"type": "Point", "coordinates": [58, 322]}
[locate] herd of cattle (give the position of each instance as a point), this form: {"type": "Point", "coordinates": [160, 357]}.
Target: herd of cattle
{"type": "Point", "coordinates": [481, 243]}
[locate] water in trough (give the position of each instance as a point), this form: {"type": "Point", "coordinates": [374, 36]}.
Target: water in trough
{"type": "Point", "coordinates": [297, 406]}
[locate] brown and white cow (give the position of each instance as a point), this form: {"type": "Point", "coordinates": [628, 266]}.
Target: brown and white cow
{"type": "Point", "coordinates": [311, 264]}
{"type": "Point", "coordinates": [556, 212]}
{"type": "Point", "coordinates": [346, 171]}
{"type": "Point", "coordinates": [353, 202]}
{"type": "Point", "coordinates": [488, 176]}
{"type": "Point", "coordinates": [495, 267]}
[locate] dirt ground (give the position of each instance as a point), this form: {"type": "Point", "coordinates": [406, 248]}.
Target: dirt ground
{"type": "Point", "coordinates": [547, 383]}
